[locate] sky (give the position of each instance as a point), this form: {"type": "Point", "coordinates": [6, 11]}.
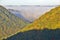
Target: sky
{"type": "Point", "coordinates": [29, 2]}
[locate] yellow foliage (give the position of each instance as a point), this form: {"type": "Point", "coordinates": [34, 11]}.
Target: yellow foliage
{"type": "Point", "coordinates": [50, 20]}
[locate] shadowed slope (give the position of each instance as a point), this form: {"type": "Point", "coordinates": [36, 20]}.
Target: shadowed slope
{"type": "Point", "coordinates": [37, 35]}
{"type": "Point", "coordinates": [9, 23]}
{"type": "Point", "coordinates": [50, 20]}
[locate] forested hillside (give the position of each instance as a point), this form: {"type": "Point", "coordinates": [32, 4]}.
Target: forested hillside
{"type": "Point", "coordinates": [9, 23]}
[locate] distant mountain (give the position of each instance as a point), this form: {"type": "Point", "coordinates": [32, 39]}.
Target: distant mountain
{"type": "Point", "coordinates": [18, 14]}
{"type": "Point", "coordinates": [30, 12]}
{"type": "Point", "coordinates": [9, 23]}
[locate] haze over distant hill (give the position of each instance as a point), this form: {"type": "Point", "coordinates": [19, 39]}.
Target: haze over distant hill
{"type": "Point", "coordinates": [19, 14]}
{"type": "Point", "coordinates": [30, 12]}
{"type": "Point", "coordinates": [9, 23]}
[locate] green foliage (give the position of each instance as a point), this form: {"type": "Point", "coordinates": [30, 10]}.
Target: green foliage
{"type": "Point", "coordinates": [9, 23]}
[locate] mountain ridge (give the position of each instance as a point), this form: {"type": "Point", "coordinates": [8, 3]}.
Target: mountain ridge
{"type": "Point", "coordinates": [9, 23]}
{"type": "Point", "coordinates": [50, 20]}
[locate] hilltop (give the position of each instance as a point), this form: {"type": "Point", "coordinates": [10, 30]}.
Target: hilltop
{"type": "Point", "coordinates": [50, 20]}
{"type": "Point", "coordinates": [9, 23]}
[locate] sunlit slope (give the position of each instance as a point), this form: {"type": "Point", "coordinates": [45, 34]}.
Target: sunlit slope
{"type": "Point", "coordinates": [50, 20]}
{"type": "Point", "coordinates": [9, 23]}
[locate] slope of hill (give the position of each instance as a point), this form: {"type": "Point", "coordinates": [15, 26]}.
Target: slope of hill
{"type": "Point", "coordinates": [50, 20]}
{"type": "Point", "coordinates": [47, 27]}
{"type": "Point", "coordinates": [9, 23]}
{"type": "Point", "coordinates": [18, 14]}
